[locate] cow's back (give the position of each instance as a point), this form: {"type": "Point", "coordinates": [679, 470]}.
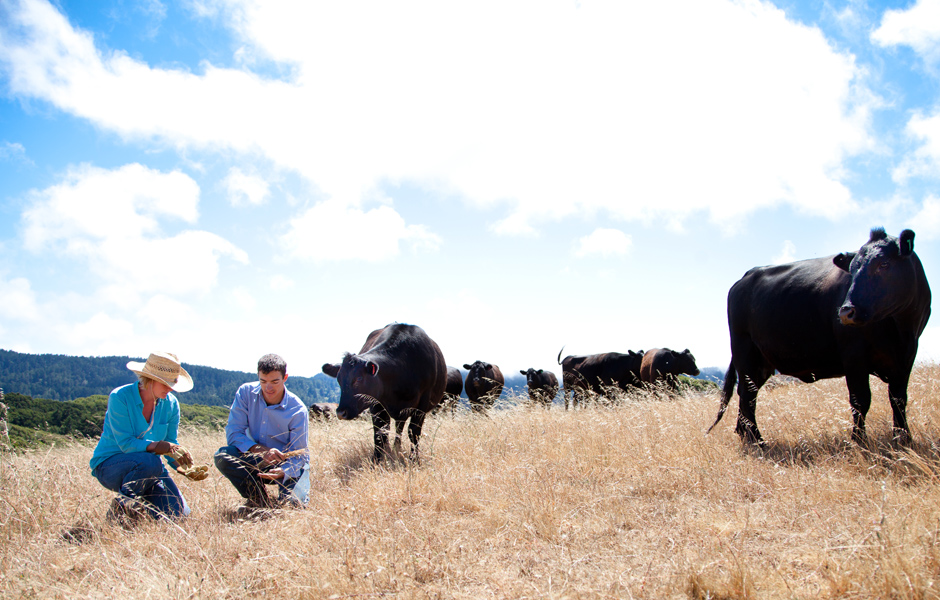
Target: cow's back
{"type": "Point", "coordinates": [789, 314]}
{"type": "Point", "coordinates": [412, 364]}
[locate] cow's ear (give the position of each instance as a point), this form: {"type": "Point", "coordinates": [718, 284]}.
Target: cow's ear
{"type": "Point", "coordinates": [331, 369]}
{"type": "Point", "coordinates": [372, 368]}
{"type": "Point", "coordinates": [906, 242]}
{"type": "Point", "coordinates": [466, 366]}
{"type": "Point", "coordinates": [539, 371]}
{"type": "Point", "coordinates": [843, 260]}
{"type": "Point", "coordinates": [686, 351]}
{"type": "Point", "coordinates": [523, 372]}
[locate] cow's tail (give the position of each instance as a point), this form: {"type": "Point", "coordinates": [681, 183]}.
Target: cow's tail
{"type": "Point", "coordinates": [731, 378]}
{"type": "Point", "coordinates": [559, 354]}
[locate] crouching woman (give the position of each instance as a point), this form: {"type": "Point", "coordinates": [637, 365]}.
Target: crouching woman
{"type": "Point", "coordinates": [140, 426]}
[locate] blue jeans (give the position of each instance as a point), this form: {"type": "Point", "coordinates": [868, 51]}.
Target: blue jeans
{"type": "Point", "coordinates": [143, 476]}
{"type": "Point", "coordinates": [242, 470]}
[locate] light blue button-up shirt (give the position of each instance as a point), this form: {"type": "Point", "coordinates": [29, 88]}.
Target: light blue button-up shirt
{"type": "Point", "coordinates": [126, 430]}
{"type": "Point", "coordinates": [282, 426]}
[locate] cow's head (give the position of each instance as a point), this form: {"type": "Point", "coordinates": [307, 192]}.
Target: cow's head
{"type": "Point", "coordinates": [684, 362]}
{"type": "Point", "coordinates": [359, 384]}
{"type": "Point", "coordinates": [479, 370]}
{"type": "Point", "coordinates": [883, 275]}
{"type": "Point", "coordinates": [532, 376]}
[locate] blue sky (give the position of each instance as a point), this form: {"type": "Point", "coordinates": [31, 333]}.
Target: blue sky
{"type": "Point", "coordinates": [227, 178]}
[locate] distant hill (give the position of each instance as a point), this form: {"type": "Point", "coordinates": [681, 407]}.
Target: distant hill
{"type": "Point", "coordinates": [60, 377]}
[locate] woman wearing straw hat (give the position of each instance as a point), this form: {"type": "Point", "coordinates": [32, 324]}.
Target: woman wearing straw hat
{"type": "Point", "coordinates": [140, 426]}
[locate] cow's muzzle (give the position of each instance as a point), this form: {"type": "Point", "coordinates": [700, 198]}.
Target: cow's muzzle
{"type": "Point", "coordinates": [848, 315]}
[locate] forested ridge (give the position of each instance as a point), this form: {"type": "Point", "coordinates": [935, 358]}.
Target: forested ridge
{"type": "Point", "coordinates": [60, 377]}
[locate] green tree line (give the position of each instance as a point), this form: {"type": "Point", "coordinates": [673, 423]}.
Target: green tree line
{"type": "Point", "coordinates": [34, 421]}
{"type": "Point", "coordinates": [59, 377]}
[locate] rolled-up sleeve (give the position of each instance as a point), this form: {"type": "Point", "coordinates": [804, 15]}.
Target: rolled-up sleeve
{"type": "Point", "coordinates": [120, 424]}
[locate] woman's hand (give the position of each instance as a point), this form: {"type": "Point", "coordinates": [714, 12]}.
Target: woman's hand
{"type": "Point", "coordinates": [181, 455]}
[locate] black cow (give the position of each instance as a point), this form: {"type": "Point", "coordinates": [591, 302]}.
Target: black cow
{"type": "Point", "coordinates": [599, 373]}
{"type": "Point", "coordinates": [484, 385]}
{"type": "Point", "coordinates": [452, 391]}
{"type": "Point", "coordinates": [663, 364]}
{"type": "Point", "coordinates": [543, 386]}
{"type": "Point", "coordinates": [322, 411]}
{"type": "Point", "coordinates": [398, 373]}
{"type": "Point", "coordinates": [852, 315]}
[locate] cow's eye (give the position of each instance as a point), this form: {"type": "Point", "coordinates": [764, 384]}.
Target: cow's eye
{"type": "Point", "coordinates": [884, 265]}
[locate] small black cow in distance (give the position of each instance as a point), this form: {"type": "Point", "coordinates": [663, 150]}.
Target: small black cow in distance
{"type": "Point", "coordinates": [398, 373]}
{"type": "Point", "coordinates": [663, 364]}
{"type": "Point", "coordinates": [321, 411]}
{"type": "Point", "coordinates": [543, 386]}
{"type": "Point", "coordinates": [599, 373]}
{"type": "Point", "coordinates": [852, 315]}
{"type": "Point", "coordinates": [451, 391]}
{"type": "Point", "coordinates": [484, 385]}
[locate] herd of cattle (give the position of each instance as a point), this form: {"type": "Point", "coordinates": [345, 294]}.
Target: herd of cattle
{"type": "Point", "coordinates": [850, 315]}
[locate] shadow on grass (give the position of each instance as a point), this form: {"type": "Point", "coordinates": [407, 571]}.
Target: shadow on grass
{"type": "Point", "coordinates": [880, 455]}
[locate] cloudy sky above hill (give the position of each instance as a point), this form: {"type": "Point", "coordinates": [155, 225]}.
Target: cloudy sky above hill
{"type": "Point", "coordinates": [226, 178]}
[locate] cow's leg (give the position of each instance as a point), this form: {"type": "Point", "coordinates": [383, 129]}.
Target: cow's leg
{"type": "Point", "coordinates": [748, 386]}
{"type": "Point", "coordinates": [414, 433]}
{"type": "Point", "coordinates": [399, 427]}
{"type": "Point", "coordinates": [380, 427]}
{"type": "Point", "coordinates": [897, 393]}
{"type": "Point", "coordinates": [860, 401]}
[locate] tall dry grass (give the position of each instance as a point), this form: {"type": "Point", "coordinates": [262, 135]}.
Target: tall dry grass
{"type": "Point", "coordinates": [630, 501]}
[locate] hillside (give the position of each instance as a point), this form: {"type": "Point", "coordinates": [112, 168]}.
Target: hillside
{"type": "Point", "coordinates": [627, 501]}
{"type": "Point", "coordinates": [59, 377]}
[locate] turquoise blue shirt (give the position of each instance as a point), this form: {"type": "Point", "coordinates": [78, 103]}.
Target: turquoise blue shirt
{"type": "Point", "coordinates": [126, 430]}
{"type": "Point", "coordinates": [282, 426]}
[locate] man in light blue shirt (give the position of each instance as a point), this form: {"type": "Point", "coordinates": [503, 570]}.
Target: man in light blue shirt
{"type": "Point", "coordinates": [267, 440]}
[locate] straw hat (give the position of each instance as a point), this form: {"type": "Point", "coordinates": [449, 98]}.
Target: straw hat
{"type": "Point", "coordinates": [164, 367]}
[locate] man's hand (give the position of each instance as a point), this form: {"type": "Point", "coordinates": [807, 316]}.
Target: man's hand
{"type": "Point", "coordinates": [269, 456]}
{"type": "Point", "coordinates": [272, 474]}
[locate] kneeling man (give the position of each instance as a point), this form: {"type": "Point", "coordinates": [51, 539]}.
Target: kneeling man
{"type": "Point", "coordinates": [267, 440]}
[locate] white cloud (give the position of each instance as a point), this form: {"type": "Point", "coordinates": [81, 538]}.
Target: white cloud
{"type": "Point", "coordinates": [787, 253]}
{"type": "Point", "coordinates": [18, 300]}
{"type": "Point", "coordinates": [927, 222]}
{"type": "Point", "coordinates": [925, 160]}
{"type": "Point", "coordinates": [604, 242]}
{"type": "Point", "coordinates": [13, 151]}
{"type": "Point", "coordinates": [917, 26]}
{"type": "Point", "coordinates": [243, 188]}
{"type": "Point", "coordinates": [335, 231]}
{"type": "Point", "coordinates": [280, 283]}
{"type": "Point", "coordinates": [545, 110]}
{"type": "Point", "coordinates": [100, 328]}
{"type": "Point", "coordinates": [113, 220]}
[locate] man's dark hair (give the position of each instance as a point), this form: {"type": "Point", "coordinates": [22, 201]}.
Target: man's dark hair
{"type": "Point", "coordinates": [272, 362]}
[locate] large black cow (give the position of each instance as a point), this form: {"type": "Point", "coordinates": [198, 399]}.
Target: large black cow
{"type": "Point", "coordinates": [452, 391]}
{"type": "Point", "coordinates": [398, 373]}
{"type": "Point", "coordinates": [852, 315]}
{"type": "Point", "coordinates": [484, 385]}
{"type": "Point", "coordinates": [543, 386]}
{"type": "Point", "coordinates": [663, 364]}
{"type": "Point", "coordinates": [599, 373]}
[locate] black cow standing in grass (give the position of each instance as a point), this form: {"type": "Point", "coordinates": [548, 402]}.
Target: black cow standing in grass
{"type": "Point", "coordinates": [543, 386]}
{"type": "Point", "coordinates": [452, 391]}
{"type": "Point", "coordinates": [852, 315]}
{"type": "Point", "coordinates": [599, 374]}
{"type": "Point", "coordinates": [663, 364]}
{"type": "Point", "coordinates": [398, 374]}
{"type": "Point", "coordinates": [484, 384]}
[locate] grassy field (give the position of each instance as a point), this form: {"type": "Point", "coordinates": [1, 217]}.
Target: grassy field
{"type": "Point", "coordinates": [629, 501]}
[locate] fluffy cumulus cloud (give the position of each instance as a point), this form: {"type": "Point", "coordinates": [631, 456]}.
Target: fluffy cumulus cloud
{"type": "Point", "coordinates": [603, 242]}
{"type": "Point", "coordinates": [917, 26]}
{"type": "Point", "coordinates": [114, 221]}
{"type": "Point", "coordinates": [634, 110]}
{"type": "Point", "coordinates": [243, 188]}
{"type": "Point", "coordinates": [787, 253]}
{"type": "Point", "coordinates": [334, 230]}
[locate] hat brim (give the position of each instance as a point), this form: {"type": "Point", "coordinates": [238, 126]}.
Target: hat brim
{"type": "Point", "coordinates": [184, 381]}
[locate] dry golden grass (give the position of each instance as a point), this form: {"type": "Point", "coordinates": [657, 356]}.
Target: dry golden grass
{"type": "Point", "coordinates": [631, 501]}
